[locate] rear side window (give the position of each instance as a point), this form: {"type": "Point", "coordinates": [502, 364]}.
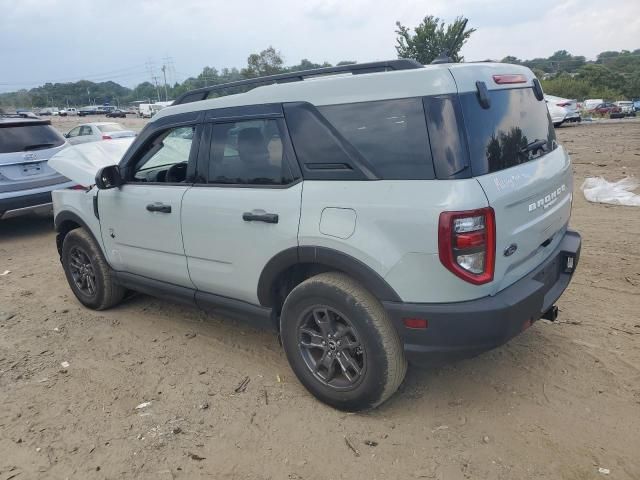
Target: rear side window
{"type": "Point", "coordinates": [501, 136]}
{"type": "Point", "coordinates": [26, 138]}
{"type": "Point", "coordinates": [390, 134]}
{"type": "Point", "coordinates": [248, 152]}
{"type": "Point", "coordinates": [112, 127]}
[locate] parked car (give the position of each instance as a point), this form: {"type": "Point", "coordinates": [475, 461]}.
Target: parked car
{"type": "Point", "coordinates": [48, 111]}
{"type": "Point", "coordinates": [93, 132]}
{"type": "Point", "coordinates": [562, 110]}
{"type": "Point", "coordinates": [370, 218]}
{"type": "Point", "coordinates": [68, 111]}
{"type": "Point", "coordinates": [26, 180]}
{"type": "Point", "coordinates": [636, 105]}
{"type": "Point", "coordinates": [117, 113]}
{"type": "Point", "coordinates": [104, 109]}
{"type": "Point", "coordinates": [89, 110]}
{"type": "Point", "coordinates": [607, 108]}
{"type": "Point", "coordinates": [626, 108]}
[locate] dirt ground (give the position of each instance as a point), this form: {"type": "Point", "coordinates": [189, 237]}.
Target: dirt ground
{"type": "Point", "coordinates": [561, 401]}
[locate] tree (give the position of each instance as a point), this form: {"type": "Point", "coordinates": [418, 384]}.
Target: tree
{"type": "Point", "coordinates": [267, 62]}
{"type": "Point", "coordinates": [431, 38]}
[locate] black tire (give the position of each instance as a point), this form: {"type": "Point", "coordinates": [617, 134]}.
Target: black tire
{"type": "Point", "coordinates": [346, 302]}
{"type": "Point", "coordinates": [78, 247]}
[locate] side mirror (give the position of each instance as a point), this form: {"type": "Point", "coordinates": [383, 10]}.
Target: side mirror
{"type": "Point", "coordinates": [66, 135]}
{"type": "Point", "coordinates": [108, 177]}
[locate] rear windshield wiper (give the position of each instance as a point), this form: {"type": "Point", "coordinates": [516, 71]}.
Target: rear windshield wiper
{"type": "Point", "coordinates": [37, 146]}
{"type": "Point", "coordinates": [535, 146]}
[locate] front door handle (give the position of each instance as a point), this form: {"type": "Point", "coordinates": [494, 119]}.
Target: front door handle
{"type": "Point", "coordinates": [159, 207]}
{"type": "Point", "coordinates": [260, 216]}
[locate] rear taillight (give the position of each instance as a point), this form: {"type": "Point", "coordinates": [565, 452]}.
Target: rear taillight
{"type": "Point", "coordinates": [106, 137]}
{"type": "Point", "coordinates": [78, 187]}
{"type": "Point", "coordinates": [563, 104]}
{"type": "Point", "coordinates": [467, 244]}
{"type": "Point", "coordinates": [509, 78]}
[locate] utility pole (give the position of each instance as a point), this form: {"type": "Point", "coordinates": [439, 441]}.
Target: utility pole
{"type": "Point", "coordinates": [155, 79]}
{"type": "Point", "coordinates": [164, 72]}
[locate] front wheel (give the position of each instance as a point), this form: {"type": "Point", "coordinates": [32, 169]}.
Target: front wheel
{"type": "Point", "coordinates": [88, 273]}
{"type": "Point", "coordinates": [340, 342]}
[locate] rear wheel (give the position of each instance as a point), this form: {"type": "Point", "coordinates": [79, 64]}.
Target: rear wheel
{"type": "Point", "coordinates": [88, 273]}
{"type": "Point", "coordinates": [340, 343]}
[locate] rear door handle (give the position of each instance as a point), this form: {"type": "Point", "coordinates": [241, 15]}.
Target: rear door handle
{"type": "Point", "coordinates": [260, 217]}
{"type": "Point", "coordinates": [159, 207]}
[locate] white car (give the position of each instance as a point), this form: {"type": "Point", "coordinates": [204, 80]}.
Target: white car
{"type": "Point", "coordinates": [591, 103]}
{"type": "Point", "coordinates": [93, 132]}
{"type": "Point", "coordinates": [68, 111]}
{"type": "Point", "coordinates": [562, 110]}
{"type": "Point", "coordinates": [627, 107]}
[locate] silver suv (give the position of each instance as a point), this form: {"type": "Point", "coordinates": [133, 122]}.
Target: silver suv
{"type": "Point", "coordinates": [26, 181]}
{"type": "Point", "coordinates": [372, 214]}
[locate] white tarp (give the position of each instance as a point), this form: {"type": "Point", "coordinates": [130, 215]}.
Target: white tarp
{"type": "Point", "coordinates": [598, 190]}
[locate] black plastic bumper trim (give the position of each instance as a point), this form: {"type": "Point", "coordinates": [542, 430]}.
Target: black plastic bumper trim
{"type": "Point", "coordinates": [464, 329]}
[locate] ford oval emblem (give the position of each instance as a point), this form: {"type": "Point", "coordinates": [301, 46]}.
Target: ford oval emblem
{"type": "Point", "coordinates": [510, 250]}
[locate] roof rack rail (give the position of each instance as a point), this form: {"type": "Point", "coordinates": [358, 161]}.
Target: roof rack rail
{"type": "Point", "coordinates": [355, 69]}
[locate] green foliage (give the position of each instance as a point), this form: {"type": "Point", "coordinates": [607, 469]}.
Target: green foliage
{"type": "Point", "coordinates": [431, 38]}
{"type": "Point", "coordinates": [612, 76]}
{"type": "Point", "coordinates": [267, 62]}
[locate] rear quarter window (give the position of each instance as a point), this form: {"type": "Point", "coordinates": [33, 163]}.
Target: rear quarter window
{"type": "Point", "coordinates": [390, 134]}
{"type": "Point", "coordinates": [24, 138]}
{"type": "Point", "coordinates": [114, 127]}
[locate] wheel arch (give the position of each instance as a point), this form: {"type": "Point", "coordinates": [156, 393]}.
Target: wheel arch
{"type": "Point", "coordinates": [292, 266]}
{"type": "Point", "coordinates": [66, 221]}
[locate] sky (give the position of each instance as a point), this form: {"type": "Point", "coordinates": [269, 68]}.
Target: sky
{"type": "Point", "coordinates": [128, 41]}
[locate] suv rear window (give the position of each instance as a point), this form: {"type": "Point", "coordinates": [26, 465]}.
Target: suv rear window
{"type": "Point", "coordinates": [390, 134]}
{"type": "Point", "coordinates": [498, 136]}
{"type": "Point", "coordinates": [25, 138]}
{"type": "Point", "coordinates": [113, 127]}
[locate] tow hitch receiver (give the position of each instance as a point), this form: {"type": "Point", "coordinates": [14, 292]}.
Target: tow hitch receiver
{"type": "Point", "coordinates": [551, 314]}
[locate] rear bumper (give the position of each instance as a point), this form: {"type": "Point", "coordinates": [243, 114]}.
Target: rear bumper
{"type": "Point", "coordinates": [36, 200]}
{"type": "Point", "coordinates": [464, 329]}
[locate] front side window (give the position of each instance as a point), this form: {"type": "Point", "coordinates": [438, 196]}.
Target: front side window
{"type": "Point", "coordinates": [390, 134]}
{"type": "Point", "coordinates": [85, 130]}
{"type": "Point", "coordinates": [248, 152]}
{"type": "Point", "coordinates": [74, 132]}
{"type": "Point", "coordinates": [166, 158]}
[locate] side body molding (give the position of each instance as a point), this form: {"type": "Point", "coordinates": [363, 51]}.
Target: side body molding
{"type": "Point", "coordinates": [325, 257]}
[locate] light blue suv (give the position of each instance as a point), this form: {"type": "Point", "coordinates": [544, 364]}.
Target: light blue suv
{"type": "Point", "coordinates": [26, 180]}
{"type": "Point", "coordinates": [373, 214]}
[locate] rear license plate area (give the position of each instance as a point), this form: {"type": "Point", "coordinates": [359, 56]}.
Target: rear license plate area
{"type": "Point", "coordinates": [31, 169]}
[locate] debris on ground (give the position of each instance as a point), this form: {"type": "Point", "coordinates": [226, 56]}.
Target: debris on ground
{"type": "Point", "coordinates": [194, 456]}
{"type": "Point", "coordinates": [599, 190]}
{"type": "Point", "coordinates": [6, 272]}
{"type": "Point", "coordinates": [242, 386]}
{"type": "Point", "coordinates": [604, 471]}
{"type": "Point", "coordinates": [143, 405]}
{"type": "Point", "coordinates": [204, 406]}
{"type": "Point", "coordinates": [351, 447]}
{"type": "Point", "coordinates": [190, 335]}
{"type": "Point", "coordinates": [371, 443]}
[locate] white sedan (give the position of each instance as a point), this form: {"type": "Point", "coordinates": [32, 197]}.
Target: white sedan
{"type": "Point", "coordinates": [93, 132]}
{"type": "Point", "coordinates": [562, 110]}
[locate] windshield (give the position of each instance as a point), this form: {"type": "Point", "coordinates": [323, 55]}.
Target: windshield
{"type": "Point", "coordinates": [111, 127]}
{"type": "Point", "coordinates": [26, 138]}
